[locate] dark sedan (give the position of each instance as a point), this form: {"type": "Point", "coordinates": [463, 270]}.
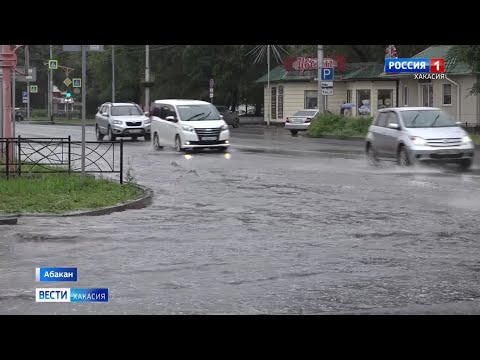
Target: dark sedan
{"type": "Point", "coordinates": [230, 117]}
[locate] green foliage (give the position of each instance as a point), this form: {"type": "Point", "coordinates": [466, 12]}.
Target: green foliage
{"type": "Point", "coordinates": [179, 71]}
{"type": "Point", "coordinates": [57, 193]}
{"type": "Point", "coordinates": [475, 138]}
{"type": "Point", "coordinates": [468, 54]}
{"type": "Point", "coordinates": [37, 113]}
{"type": "Point", "coordinates": [341, 126]}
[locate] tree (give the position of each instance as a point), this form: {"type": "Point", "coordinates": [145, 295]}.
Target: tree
{"type": "Point", "coordinates": [468, 54]}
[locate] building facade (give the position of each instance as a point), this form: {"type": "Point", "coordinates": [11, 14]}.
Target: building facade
{"type": "Point", "coordinates": [369, 88]}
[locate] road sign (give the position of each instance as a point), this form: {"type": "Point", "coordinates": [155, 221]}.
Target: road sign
{"type": "Point", "coordinates": [77, 82]}
{"type": "Point", "coordinates": [53, 64]}
{"type": "Point", "coordinates": [327, 74]}
{"type": "Point", "coordinates": [327, 92]}
{"type": "Point", "coordinates": [211, 83]}
{"type": "Point", "coordinates": [326, 84]}
{"type": "Point", "coordinates": [211, 93]}
{"type": "Point", "coordinates": [33, 89]}
{"type": "Point", "coordinates": [76, 91]}
{"type": "Point", "coordinates": [67, 81]}
{"type": "Point", "coordinates": [74, 48]}
{"type": "Point", "coordinates": [25, 97]}
{"type": "Point", "coordinates": [31, 76]}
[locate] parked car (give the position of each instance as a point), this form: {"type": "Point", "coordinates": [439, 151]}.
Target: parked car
{"type": "Point", "coordinates": [121, 120]}
{"type": "Point", "coordinates": [423, 134]}
{"type": "Point", "coordinates": [230, 117]}
{"type": "Point", "coordinates": [19, 114]}
{"type": "Point", "coordinates": [300, 121]}
{"type": "Point", "coordinates": [188, 125]}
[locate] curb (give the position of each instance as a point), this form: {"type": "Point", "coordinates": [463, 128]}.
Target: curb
{"type": "Point", "coordinates": [8, 220]}
{"type": "Point", "coordinates": [334, 137]}
{"type": "Point", "coordinates": [50, 123]}
{"type": "Point", "coordinates": [141, 203]}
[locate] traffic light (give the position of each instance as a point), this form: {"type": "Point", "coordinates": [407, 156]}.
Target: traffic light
{"type": "Point", "coordinates": [68, 95]}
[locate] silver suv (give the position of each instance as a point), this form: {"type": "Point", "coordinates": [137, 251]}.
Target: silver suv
{"type": "Point", "coordinates": [422, 134]}
{"type": "Point", "coordinates": [121, 120]}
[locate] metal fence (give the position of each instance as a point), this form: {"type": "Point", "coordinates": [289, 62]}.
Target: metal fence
{"type": "Point", "coordinates": [59, 155]}
{"type": "Point", "coordinates": [471, 128]}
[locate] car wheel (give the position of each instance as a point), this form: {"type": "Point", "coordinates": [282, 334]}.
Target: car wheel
{"type": "Point", "coordinates": [294, 132]}
{"type": "Point", "coordinates": [178, 144]}
{"type": "Point", "coordinates": [111, 136]}
{"type": "Point", "coordinates": [236, 123]}
{"type": "Point", "coordinates": [465, 164]}
{"type": "Point", "coordinates": [403, 158]}
{"type": "Point", "coordinates": [156, 142]}
{"type": "Point", "coordinates": [18, 118]}
{"type": "Point", "coordinates": [98, 134]}
{"type": "Point", "coordinates": [148, 137]}
{"type": "Point", "coordinates": [134, 138]}
{"type": "Point", "coordinates": [372, 157]}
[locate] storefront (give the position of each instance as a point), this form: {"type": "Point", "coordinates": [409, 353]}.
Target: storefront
{"type": "Point", "coordinates": [358, 83]}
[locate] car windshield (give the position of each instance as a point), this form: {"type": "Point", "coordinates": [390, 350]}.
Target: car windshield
{"type": "Point", "coordinates": [427, 119]}
{"type": "Point", "coordinates": [198, 112]}
{"type": "Point", "coordinates": [127, 110]}
{"type": "Point", "coordinates": [305, 113]}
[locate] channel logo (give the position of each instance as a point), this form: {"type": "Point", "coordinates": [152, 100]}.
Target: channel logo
{"type": "Point", "coordinates": [71, 295]}
{"type": "Point", "coordinates": [393, 65]}
{"type": "Point", "coordinates": [56, 274]}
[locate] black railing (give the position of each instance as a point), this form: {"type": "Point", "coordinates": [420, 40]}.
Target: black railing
{"type": "Point", "coordinates": [471, 128]}
{"type": "Point", "coordinates": [55, 155]}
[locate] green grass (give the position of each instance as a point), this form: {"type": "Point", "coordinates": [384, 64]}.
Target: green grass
{"type": "Point", "coordinates": [341, 126]}
{"type": "Point", "coordinates": [59, 193]}
{"type": "Point", "coordinates": [475, 138]}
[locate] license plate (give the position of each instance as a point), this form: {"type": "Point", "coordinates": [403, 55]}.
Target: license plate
{"type": "Point", "coordinates": [134, 131]}
{"type": "Point", "coordinates": [209, 138]}
{"type": "Point", "coordinates": [297, 121]}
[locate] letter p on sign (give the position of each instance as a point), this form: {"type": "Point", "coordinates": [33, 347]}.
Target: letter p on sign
{"type": "Point", "coordinates": [327, 74]}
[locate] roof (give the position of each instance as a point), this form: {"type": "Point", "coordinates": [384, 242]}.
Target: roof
{"type": "Point", "coordinates": [121, 104]}
{"type": "Point", "coordinates": [353, 71]}
{"type": "Point", "coordinates": [437, 51]}
{"type": "Point", "coordinates": [181, 102]}
{"type": "Point", "coordinates": [441, 51]}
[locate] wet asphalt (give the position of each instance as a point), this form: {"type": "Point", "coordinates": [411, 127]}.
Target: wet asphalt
{"type": "Point", "coordinates": [280, 225]}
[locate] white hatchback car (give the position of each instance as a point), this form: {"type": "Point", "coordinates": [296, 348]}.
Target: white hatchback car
{"type": "Point", "coordinates": [188, 125]}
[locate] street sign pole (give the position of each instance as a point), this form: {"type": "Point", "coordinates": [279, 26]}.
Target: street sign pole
{"type": "Point", "coordinates": [113, 73]}
{"type": "Point", "coordinates": [320, 98]}
{"type": "Point", "coordinates": [84, 102]}
{"type": "Point", "coordinates": [27, 65]}
{"type": "Point", "coordinates": [50, 89]}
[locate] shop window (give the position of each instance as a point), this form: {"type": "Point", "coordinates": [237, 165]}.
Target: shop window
{"type": "Point", "coordinates": [349, 96]}
{"type": "Point", "coordinates": [447, 94]}
{"type": "Point", "coordinates": [363, 102]}
{"type": "Point", "coordinates": [274, 103]}
{"type": "Point", "coordinates": [385, 99]}
{"type": "Point", "coordinates": [311, 99]}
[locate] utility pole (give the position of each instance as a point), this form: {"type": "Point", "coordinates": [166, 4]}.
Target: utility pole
{"type": "Point", "coordinates": [113, 73]}
{"type": "Point", "coordinates": [269, 96]}
{"type": "Point", "coordinates": [84, 102]}
{"type": "Point", "coordinates": [27, 65]}
{"type": "Point", "coordinates": [50, 89]}
{"type": "Point", "coordinates": [320, 102]}
{"type": "Point", "coordinates": [147, 78]}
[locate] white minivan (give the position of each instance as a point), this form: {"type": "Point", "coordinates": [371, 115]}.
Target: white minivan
{"type": "Point", "coordinates": [188, 124]}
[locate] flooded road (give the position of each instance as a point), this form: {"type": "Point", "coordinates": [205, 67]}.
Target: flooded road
{"type": "Point", "coordinates": [262, 230]}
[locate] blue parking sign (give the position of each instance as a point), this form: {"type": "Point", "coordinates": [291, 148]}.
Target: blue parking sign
{"type": "Point", "coordinates": [327, 74]}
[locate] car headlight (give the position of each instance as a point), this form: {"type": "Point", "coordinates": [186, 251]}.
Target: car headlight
{"type": "Point", "coordinates": [147, 121]}
{"type": "Point", "coordinates": [418, 141]}
{"type": "Point", "coordinates": [224, 127]}
{"type": "Point", "coordinates": [119, 122]}
{"type": "Point", "coordinates": [188, 128]}
{"type": "Point", "coordinates": [466, 139]}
